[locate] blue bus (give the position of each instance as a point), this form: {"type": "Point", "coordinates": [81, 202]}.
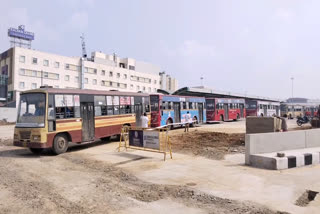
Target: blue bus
{"type": "Point", "coordinates": [171, 109]}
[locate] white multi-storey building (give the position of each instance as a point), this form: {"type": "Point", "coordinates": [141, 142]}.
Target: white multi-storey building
{"type": "Point", "coordinates": [167, 82]}
{"type": "Point", "coordinates": [24, 69]}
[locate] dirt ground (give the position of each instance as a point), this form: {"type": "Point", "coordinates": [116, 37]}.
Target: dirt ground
{"type": "Point", "coordinates": [213, 145]}
{"type": "Point", "coordinates": [76, 182]}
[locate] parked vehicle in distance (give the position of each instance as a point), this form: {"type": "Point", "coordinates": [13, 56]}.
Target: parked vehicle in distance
{"type": "Point", "coordinates": [171, 110]}
{"type": "Point", "coordinates": [52, 117]}
{"type": "Point", "coordinates": [302, 120]}
{"type": "Point", "coordinates": [262, 108]}
{"type": "Point", "coordinates": [225, 109]}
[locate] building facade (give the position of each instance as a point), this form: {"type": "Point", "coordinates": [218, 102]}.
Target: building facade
{"type": "Point", "coordinates": [168, 83]}
{"type": "Point", "coordinates": [25, 69]}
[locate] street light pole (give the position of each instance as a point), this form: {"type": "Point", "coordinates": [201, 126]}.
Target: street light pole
{"type": "Point", "coordinates": [292, 89]}
{"type": "Point", "coordinates": [201, 78]}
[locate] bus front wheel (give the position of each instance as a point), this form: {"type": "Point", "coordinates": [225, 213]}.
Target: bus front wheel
{"type": "Point", "coordinates": [60, 144]}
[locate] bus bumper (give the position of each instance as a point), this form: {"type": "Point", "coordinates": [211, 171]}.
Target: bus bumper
{"type": "Point", "coordinates": [31, 144]}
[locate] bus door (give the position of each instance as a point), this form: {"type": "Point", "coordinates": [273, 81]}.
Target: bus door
{"type": "Point", "coordinates": [226, 111]}
{"type": "Point", "coordinates": [200, 109]}
{"type": "Point", "coordinates": [177, 114]}
{"type": "Point", "coordinates": [241, 110]}
{"type": "Point", "coordinates": [277, 110]}
{"type": "Point", "coordinates": [87, 116]}
{"type": "Point", "coordinates": [265, 110]}
{"type": "Point", "coordinates": [138, 111]}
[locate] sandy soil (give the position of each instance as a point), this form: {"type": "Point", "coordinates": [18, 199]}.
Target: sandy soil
{"type": "Point", "coordinates": [75, 183]}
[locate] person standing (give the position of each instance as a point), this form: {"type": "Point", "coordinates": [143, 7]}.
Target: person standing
{"type": "Point", "coordinates": [144, 120]}
{"type": "Point", "coordinates": [187, 118]}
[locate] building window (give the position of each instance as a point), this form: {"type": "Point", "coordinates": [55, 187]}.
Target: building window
{"type": "Point", "coordinates": [22, 59]}
{"type": "Point", "coordinates": [56, 64]}
{"type": "Point", "coordinates": [66, 77]}
{"type": "Point", "coordinates": [22, 71]}
{"type": "Point", "coordinates": [103, 82]}
{"type": "Point", "coordinates": [56, 86]}
{"type": "Point", "coordinates": [149, 80]}
{"type": "Point", "coordinates": [46, 62]}
{"type": "Point", "coordinates": [33, 85]}
{"type": "Point", "coordinates": [86, 80]}
{"type": "Point", "coordinates": [110, 74]}
{"type": "Point", "coordinates": [45, 74]}
{"type": "Point", "coordinates": [103, 72]}
{"type": "Point", "coordinates": [131, 87]}
{"type": "Point", "coordinates": [34, 60]}
{"type": "Point", "coordinates": [155, 81]}
{"type": "Point", "coordinates": [125, 76]}
{"type": "Point", "coordinates": [122, 65]}
{"type": "Point", "coordinates": [67, 66]}
{"type": "Point", "coordinates": [95, 71]}
{"type": "Point", "coordinates": [118, 75]}
{"type": "Point", "coordinates": [131, 67]}
{"type": "Point", "coordinates": [94, 82]}
{"type": "Point", "coordinates": [154, 90]}
{"type": "Point", "coordinates": [85, 70]}
{"type": "Point", "coordinates": [144, 88]}
{"type": "Point", "coordinates": [56, 76]}
{"type": "Point", "coordinates": [76, 79]}
{"type": "Point", "coordinates": [21, 85]}
{"type": "Point", "coordinates": [34, 73]}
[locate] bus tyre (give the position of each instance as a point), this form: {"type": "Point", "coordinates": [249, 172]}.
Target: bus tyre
{"type": "Point", "coordinates": [36, 151]}
{"type": "Point", "coordinates": [60, 144]}
{"type": "Point", "coordinates": [221, 117]}
{"type": "Point", "coordinates": [170, 127]}
{"type": "Point", "coordinates": [238, 117]}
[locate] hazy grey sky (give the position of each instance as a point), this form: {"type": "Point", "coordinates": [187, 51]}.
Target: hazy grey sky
{"type": "Point", "coordinates": [251, 47]}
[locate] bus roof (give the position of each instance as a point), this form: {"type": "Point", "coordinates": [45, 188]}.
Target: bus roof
{"type": "Point", "coordinates": [180, 98]}
{"type": "Point", "coordinates": [84, 91]}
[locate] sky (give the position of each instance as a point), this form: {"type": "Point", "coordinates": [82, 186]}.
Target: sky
{"type": "Point", "coordinates": [249, 47]}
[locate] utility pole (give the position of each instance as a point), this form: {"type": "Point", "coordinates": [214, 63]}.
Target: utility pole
{"type": "Point", "coordinates": [292, 89]}
{"type": "Point", "coordinates": [41, 77]}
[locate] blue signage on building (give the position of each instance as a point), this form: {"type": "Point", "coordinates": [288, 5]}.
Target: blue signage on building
{"type": "Point", "coordinates": [20, 33]}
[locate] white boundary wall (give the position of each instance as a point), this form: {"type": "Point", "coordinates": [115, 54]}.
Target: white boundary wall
{"type": "Point", "coordinates": [10, 114]}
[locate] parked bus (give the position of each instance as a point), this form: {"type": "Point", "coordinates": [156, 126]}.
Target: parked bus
{"type": "Point", "coordinates": [310, 111]}
{"type": "Point", "coordinates": [224, 109]}
{"type": "Point", "coordinates": [262, 108]}
{"type": "Point", "coordinates": [51, 117]}
{"type": "Point", "coordinates": [171, 109]}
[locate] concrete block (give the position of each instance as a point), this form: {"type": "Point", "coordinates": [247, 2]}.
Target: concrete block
{"type": "Point", "coordinates": [281, 163]}
{"type": "Point", "coordinates": [315, 157]}
{"type": "Point", "coordinates": [312, 138]}
{"type": "Point", "coordinates": [263, 162]}
{"type": "Point", "coordinates": [274, 142]}
{"type": "Point", "coordinates": [300, 160]}
{"type": "Point", "coordinates": [262, 124]}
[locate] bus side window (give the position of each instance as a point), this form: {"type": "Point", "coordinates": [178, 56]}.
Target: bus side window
{"type": "Point", "coordinates": [169, 105]}
{"type": "Point", "coordinates": [110, 110]}
{"type": "Point", "coordinates": [190, 105]}
{"type": "Point", "coordinates": [116, 109]}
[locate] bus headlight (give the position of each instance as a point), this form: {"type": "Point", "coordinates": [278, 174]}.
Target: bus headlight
{"type": "Point", "coordinates": [36, 137]}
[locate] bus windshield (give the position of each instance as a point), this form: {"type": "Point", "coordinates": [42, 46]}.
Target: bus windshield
{"type": "Point", "coordinates": [31, 112]}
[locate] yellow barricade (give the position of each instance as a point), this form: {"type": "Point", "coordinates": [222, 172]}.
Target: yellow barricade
{"type": "Point", "coordinates": [146, 139]}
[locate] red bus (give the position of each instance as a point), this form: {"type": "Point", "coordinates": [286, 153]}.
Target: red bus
{"type": "Point", "coordinates": [225, 109]}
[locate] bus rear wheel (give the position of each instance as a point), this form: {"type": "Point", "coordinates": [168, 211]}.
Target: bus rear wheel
{"type": "Point", "coordinates": [36, 151]}
{"type": "Point", "coordinates": [60, 144]}
{"type": "Point", "coordinates": [170, 127]}
{"type": "Point", "coordinates": [221, 118]}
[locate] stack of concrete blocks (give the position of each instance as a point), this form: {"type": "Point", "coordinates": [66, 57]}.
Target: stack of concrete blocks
{"type": "Point", "coordinates": [262, 124]}
{"type": "Point", "coordinates": [299, 147]}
